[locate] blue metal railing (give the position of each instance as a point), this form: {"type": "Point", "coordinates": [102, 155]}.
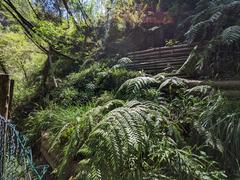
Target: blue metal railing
{"type": "Point", "coordinates": [15, 156]}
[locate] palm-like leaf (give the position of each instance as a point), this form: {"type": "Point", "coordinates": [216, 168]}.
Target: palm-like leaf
{"type": "Point", "coordinates": [200, 90]}
{"type": "Point", "coordinates": [123, 62]}
{"type": "Point", "coordinates": [173, 81]}
{"type": "Point", "coordinates": [231, 35]}
{"type": "Point", "coordinates": [123, 133]}
{"type": "Point", "coordinates": [214, 16]}
{"type": "Point", "coordinates": [224, 126]}
{"type": "Point", "coordinates": [120, 141]}
{"type": "Point", "coordinates": [134, 86]}
{"type": "Point", "coordinates": [199, 28]}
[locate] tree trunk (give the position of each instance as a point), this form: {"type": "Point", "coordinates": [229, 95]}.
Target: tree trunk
{"type": "Point", "coordinates": [223, 85]}
{"type": "Point", "coordinates": [189, 67]}
{"type": "Point", "coordinates": [47, 70]}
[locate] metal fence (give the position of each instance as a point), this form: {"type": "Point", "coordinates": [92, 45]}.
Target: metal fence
{"type": "Point", "coordinates": [15, 156]}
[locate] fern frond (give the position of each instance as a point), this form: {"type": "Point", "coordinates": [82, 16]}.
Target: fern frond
{"type": "Point", "coordinates": [199, 28]}
{"type": "Point", "coordinates": [123, 62]}
{"type": "Point", "coordinates": [134, 86]}
{"type": "Point", "coordinates": [231, 35]}
{"type": "Point", "coordinates": [215, 17]}
{"type": "Point", "coordinates": [122, 133]}
{"type": "Point", "coordinates": [211, 17]}
{"type": "Point", "coordinates": [58, 137]}
{"type": "Point", "coordinates": [196, 30]}
{"type": "Point", "coordinates": [133, 103]}
{"type": "Point", "coordinates": [173, 81]}
{"type": "Point", "coordinates": [233, 7]}
{"type": "Point", "coordinates": [160, 76]}
{"type": "Point", "coordinates": [90, 86]}
{"type": "Point", "coordinates": [200, 90]}
{"type": "Point", "coordinates": [96, 114]}
{"type": "Point", "coordinates": [94, 174]}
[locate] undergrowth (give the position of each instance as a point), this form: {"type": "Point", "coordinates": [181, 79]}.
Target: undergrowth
{"type": "Point", "coordinates": [111, 123]}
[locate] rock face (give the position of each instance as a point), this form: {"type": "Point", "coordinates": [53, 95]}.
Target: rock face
{"type": "Point", "coordinates": [156, 17]}
{"type": "Point", "coordinates": [141, 38]}
{"type": "Point", "coordinates": [155, 28]}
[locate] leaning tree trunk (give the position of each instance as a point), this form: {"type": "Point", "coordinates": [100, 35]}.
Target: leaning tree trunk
{"type": "Point", "coordinates": [48, 74]}
{"type": "Point", "coordinates": [223, 85]}
{"type": "Point", "coordinates": [189, 67]}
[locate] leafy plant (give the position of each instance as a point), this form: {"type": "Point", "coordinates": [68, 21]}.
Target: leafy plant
{"type": "Point", "coordinates": [124, 138]}
{"type": "Point", "coordinates": [216, 22]}
{"type": "Point", "coordinates": [134, 86]}
{"type": "Point", "coordinates": [222, 120]}
{"type": "Point", "coordinates": [231, 35]}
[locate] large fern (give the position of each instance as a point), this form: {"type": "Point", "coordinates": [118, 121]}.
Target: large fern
{"type": "Point", "coordinates": [134, 140]}
{"type": "Point", "coordinates": [85, 124]}
{"type": "Point", "coordinates": [216, 22]}
{"type": "Point", "coordinates": [213, 19]}
{"type": "Point", "coordinates": [120, 146]}
{"type": "Point", "coordinates": [221, 119]}
{"type": "Point", "coordinates": [123, 62]}
{"type": "Point", "coordinates": [120, 135]}
{"type": "Point", "coordinates": [134, 86]}
{"type": "Point", "coordinates": [231, 35]}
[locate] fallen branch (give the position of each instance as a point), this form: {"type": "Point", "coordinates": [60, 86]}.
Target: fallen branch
{"type": "Point", "coordinates": [231, 84]}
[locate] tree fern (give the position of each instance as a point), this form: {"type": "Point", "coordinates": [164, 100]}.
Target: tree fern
{"type": "Point", "coordinates": [134, 86]}
{"type": "Point", "coordinates": [94, 116]}
{"type": "Point", "coordinates": [217, 22]}
{"type": "Point", "coordinates": [121, 134]}
{"type": "Point", "coordinates": [172, 82]}
{"type": "Point", "coordinates": [221, 119]}
{"type": "Point", "coordinates": [214, 16]}
{"type": "Point", "coordinates": [123, 62]}
{"type": "Point", "coordinates": [130, 139]}
{"type": "Point", "coordinates": [231, 35]}
{"type": "Point", "coordinates": [201, 27]}
{"type": "Point", "coordinates": [203, 90]}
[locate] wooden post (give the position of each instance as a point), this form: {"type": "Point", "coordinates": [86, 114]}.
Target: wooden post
{"type": "Point", "coordinates": [5, 88]}
{"type": "Point", "coordinates": [12, 83]}
{"type": "Point", "coordinates": [4, 109]}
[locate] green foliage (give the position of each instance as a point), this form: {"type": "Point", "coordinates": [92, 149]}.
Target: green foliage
{"type": "Point", "coordinates": [114, 78]}
{"type": "Point", "coordinates": [128, 140]}
{"type": "Point", "coordinates": [54, 120]}
{"type": "Point", "coordinates": [173, 81]}
{"type": "Point", "coordinates": [123, 62]}
{"type": "Point", "coordinates": [20, 58]}
{"type": "Point", "coordinates": [203, 90]}
{"type": "Point", "coordinates": [217, 16]}
{"type": "Point", "coordinates": [182, 163]}
{"type": "Point", "coordinates": [131, 140]}
{"type": "Point", "coordinates": [88, 83]}
{"type": "Point", "coordinates": [218, 23]}
{"type": "Point", "coordinates": [61, 35]}
{"type": "Point", "coordinates": [106, 122]}
{"type": "Point", "coordinates": [231, 35]}
{"type": "Point", "coordinates": [133, 87]}
{"type": "Point", "coordinates": [78, 87]}
{"type": "Point", "coordinates": [221, 118]}
{"type": "Point", "coordinates": [171, 42]}
{"type": "Point", "coordinates": [135, 140]}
